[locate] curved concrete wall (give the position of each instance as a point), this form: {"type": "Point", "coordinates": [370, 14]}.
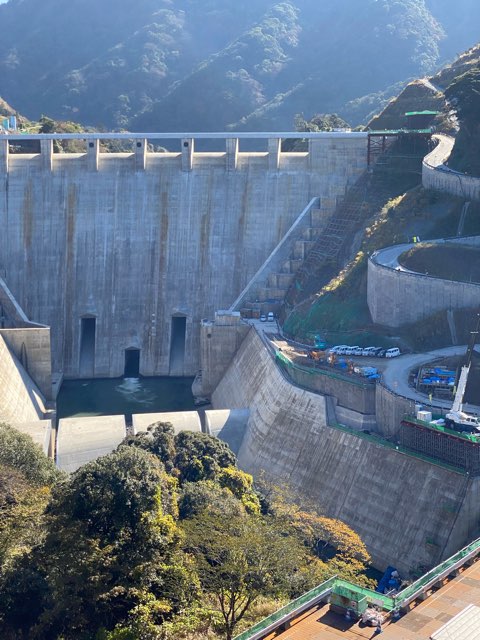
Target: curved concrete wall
{"type": "Point", "coordinates": [436, 175]}
{"type": "Point", "coordinates": [134, 239]}
{"type": "Point", "coordinates": [405, 509]}
{"type": "Point", "coordinates": [396, 297]}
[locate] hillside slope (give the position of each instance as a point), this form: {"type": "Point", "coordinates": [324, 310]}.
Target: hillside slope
{"type": "Point", "coordinates": [157, 64]}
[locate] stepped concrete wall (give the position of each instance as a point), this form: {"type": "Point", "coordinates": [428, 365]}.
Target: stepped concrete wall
{"type": "Point", "coordinates": [134, 240]}
{"type": "Point", "coordinates": [408, 511]}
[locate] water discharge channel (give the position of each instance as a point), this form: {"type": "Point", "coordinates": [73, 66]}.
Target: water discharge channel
{"type": "Point", "coordinates": [124, 396]}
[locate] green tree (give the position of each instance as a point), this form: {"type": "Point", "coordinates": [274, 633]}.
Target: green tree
{"type": "Point", "coordinates": [159, 439]}
{"type": "Point", "coordinates": [241, 485]}
{"type": "Point", "coordinates": [190, 456]}
{"type": "Point", "coordinates": [207, 496]}
{"type": "Point", "coordinates": [112, 544]}
{"type": "Point", "coordinates": [200, 456]}
{"type": "Point", "coordinates": [240, 559]}
{"type": "Point", "coordinates": [18, 451]}
{"type": "Point", "coordinates": [22, 507]}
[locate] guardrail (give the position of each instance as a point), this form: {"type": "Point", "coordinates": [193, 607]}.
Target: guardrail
{"type": "Point", "coordinates": [289, 611]}
{"type": "Point", "coordinates": [205, 135]}
{"type": "Point", "coordinates": [396, 603]}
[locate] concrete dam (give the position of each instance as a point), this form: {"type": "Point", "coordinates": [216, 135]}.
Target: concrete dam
{"type": "Point", "coordinates": [113, 263]}
{"type": "Point", "coordinates": [123, 254]}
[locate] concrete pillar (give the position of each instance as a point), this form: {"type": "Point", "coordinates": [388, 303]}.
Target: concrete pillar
{"type": "Point", "coordinates": [92, 155]}
{"type": "Point", "coordinates": [140, 155]}
{"type": "Point", "coordinates": [4, 151]}
{"type": "Point", "coordinates": [46, 154]}
{"type": "Point", "coordinates": [320, 156]}
{"type": "Point", "coordinates": [274, 151]}
{"type": "Point", "coordinates": [187, 154]}
{"type": "Point", "coordinates": [232, 153]}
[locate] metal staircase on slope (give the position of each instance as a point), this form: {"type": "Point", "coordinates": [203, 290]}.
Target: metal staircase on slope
{"type": "Point", "coordinates": [331, 245]}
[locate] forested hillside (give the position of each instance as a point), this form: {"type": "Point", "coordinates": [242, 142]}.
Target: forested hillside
{"type": "Point", "coordinates": [157, 64]}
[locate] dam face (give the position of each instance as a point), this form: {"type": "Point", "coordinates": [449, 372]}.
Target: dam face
{"type": "Point", "coordinates": [122, 255]}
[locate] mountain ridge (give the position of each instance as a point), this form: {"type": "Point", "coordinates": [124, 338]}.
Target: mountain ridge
{"type": "Point", "coordinates": [212, 65]}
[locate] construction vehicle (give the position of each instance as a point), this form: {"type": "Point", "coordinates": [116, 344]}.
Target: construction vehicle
{"type": "Point", "coordinates": [320, 342]}
{"type": "Point", "coordinates": [316, 354]}
{"type": "Point", "coordinates": [456, 419]}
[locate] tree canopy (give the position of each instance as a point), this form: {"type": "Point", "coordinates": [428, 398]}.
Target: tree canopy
{"type": "Point", "coordinates": [163, 539]}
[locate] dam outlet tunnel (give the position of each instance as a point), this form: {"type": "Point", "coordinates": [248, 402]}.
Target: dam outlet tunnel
{"type": "Point", "coordinates": [132, 363]}
{"type": "Point", "coordinates": [177, 344]}
{"type": "Point", "coordinates": [87, 346]}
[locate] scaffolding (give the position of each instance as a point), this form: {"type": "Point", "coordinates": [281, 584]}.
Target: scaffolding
{"type": "Point", "coordinates": [461, 450]}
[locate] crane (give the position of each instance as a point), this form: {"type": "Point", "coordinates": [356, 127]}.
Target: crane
{"type": "Point", "coordinates": [456, 418]}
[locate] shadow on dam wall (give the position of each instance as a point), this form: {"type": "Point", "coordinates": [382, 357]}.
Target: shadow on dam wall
{"type": "Point", "coordinates": [408, 511]}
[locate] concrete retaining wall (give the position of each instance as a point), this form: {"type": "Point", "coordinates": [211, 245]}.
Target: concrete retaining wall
{"type": "Point", "coordinates": [219, 341]}
{"type": "Point", "coordinates": [390, 409]}
{"type": "Point", "coordinates": [351, 394]}
{"type": "Point", "coordinates": [436, 175]}
{"type": "Point", "coordinates": [135, 239]}
{"type": "Point", "coordinates": [405, 509]}
{"type": "Point", "coordinates": [396, 297]}
{"type": "Point", "coordinates": [32, 348]}
{"type": "Point", "coordinates": [29, 341]}
{"type": "Point", "coordinates": [20, 399]}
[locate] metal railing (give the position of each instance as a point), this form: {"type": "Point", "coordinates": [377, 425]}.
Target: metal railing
{"type": "Point", "coordinates": [289, 611]}
{"type": "Point", "coordinates": [396, 603]}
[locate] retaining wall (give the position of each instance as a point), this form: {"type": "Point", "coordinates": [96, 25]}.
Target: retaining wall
{"type": "Point", "coordinates": [405, 508]}
{"type": "Point", "coordinates": [399, 297]}
{"type": "Point", "coordinates": [134, 240]}
{"type": "Point", "coordinates": [436, 175]}
{"type": "Point", "coordinates": [20, 399]}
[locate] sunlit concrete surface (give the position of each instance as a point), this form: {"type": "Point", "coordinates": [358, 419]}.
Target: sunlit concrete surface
{"type": "Point", "coordinates": [228, 424]}
{"type": "Point", "coordinates": [80, 440]}
{"type": "Point", "coordinates": [180, 421]}
{"type": "Point", "coordinates": [40, 432]}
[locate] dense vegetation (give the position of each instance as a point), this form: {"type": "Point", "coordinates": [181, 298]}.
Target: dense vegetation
{"type": "Point", "coordinates": [165, 538]}
{"type": "Point", "coordinates": [464, 95]}
{"type": "Point", "coordinates": [192, 65]}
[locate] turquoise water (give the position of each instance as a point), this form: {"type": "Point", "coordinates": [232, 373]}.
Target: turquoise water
{"type": "Point", "coordinates": [111, 396]}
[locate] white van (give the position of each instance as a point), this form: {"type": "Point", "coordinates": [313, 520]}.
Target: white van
{"type": "Point", "coordinates": [271, 316]}
{"type": "Point", "coordinates": [392, 353]}
{"type": "Point", "coordinates": [369, 351]}
{"type": "Point", "coordinates": [350, 351]}
{"type": "Point", "coordinates": [342, 350]}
